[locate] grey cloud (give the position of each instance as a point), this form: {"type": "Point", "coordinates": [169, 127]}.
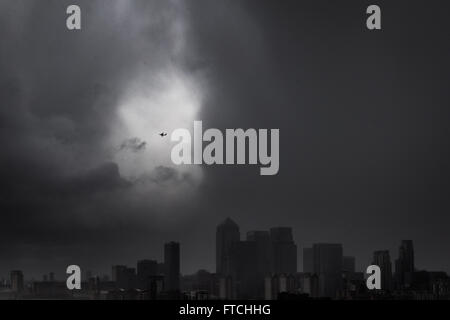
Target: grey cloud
{"type": "Point", "coordinates": [162, 174]}
{"type": "Point", "coordinates": [133, 145]}
{"type": "Point", "coordinates": [363, 121]}
{"type": "Point", "coordinates": [59, 93]}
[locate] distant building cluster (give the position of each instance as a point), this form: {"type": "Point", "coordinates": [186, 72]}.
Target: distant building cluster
{"type": "Point", "coordinates": [263, 266]}
{"type": "Point", "coordinates": [242, 266]}
{"type": "Point", "coordinates": [151, 280]}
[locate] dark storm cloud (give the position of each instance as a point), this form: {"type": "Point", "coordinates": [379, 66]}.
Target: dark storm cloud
{"type": "Point", "coordinates": [163, 175]}
{"type": "Point", "coordinates": [362, 117]}
{"type": "Point", "coordinates": [133, 144]}
{"type": "Point", "coordinates": [62, 198]}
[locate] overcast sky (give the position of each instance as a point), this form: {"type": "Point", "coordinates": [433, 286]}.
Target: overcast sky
{"type": "Point", "coordinates": [363, 119]}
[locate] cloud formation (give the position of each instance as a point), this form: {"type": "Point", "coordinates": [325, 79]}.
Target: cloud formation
{"type": "Point", "coordinates": [133, 145]}
{"type": "Point", "coordinates": [65, 102]}
{"type": "Point", "coordinates": [362, 119]}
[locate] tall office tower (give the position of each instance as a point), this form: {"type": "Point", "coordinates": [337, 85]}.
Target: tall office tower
{"type": "Point", "coordinates": [124, 277]}
{"type": "Point", "coordinates": [117, 271]}
{"type": "Point", "coordinates": [382, 259]}
{"type": "Point", "coordinates": [243, 266]}
{"type": "Point", "coordinates": [172, 267]}
{"type": "Point", "coordinates": [308, 264]}
{"type": "Point", "coordinates": [145, 270]}
{"type": "Point", "coordinates": [17, 281]}
{"type": "Point", "coordinates": [161, 269]}
{"type": "Point", "coordinates": [283, 251]}
{"type": "Point", "coordinates": [262, 244]}
{"type": "Point", "coordinates": [348, 264]}
{"type": "Point", "coordinates": [327, 264]}
{"type": "Point", "coordinates": [404, 265]}
{"type": "Point", "coordinates": [226, 234]}
{"type": "Point", "coordinates": [261, 239]}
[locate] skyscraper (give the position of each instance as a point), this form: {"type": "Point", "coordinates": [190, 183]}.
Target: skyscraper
{"type": "Point", "coordinates": [117, 271]}
{"type": "Point", "coordinates": [243, 270]}
{"type": "Point", "coordinates": [145, 270]}
{"type": "Point", "coordinates": [348, 264]}
{"type": "Point", "coordinates": [404, 265]}
{"type": "Point", "coordinates": [262, 245]}
{"type": "Point", "coordinates": [124, 277]}
{"type": "Point", "coordinates": [382, 259]}
{"type": "Point", "coordinates": [327, 265]}
{"type": "Point", "coordinates": [172, 266]}
{"type": "Point", "coordinates": [17, 281]}
{"type": "Point", "coordinates": [283, 251]}
{"type": "Point", "coordinates": [261, 239]}
{"type": "Point", "coordinates": [226, 234]}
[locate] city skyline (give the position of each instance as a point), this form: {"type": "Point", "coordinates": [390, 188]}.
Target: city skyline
{"type": "Point", "coordinates": [249, 235]}
{"type": "Point", "coordinates": [262, 265]}
{"type": "Point", "coordinates": [87, 179]}
{"type": "Point", "coordinates": [360, 265]}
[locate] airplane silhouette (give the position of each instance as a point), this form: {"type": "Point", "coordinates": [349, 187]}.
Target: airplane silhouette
{"type": "Point", "coordinates": [163, 134]}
